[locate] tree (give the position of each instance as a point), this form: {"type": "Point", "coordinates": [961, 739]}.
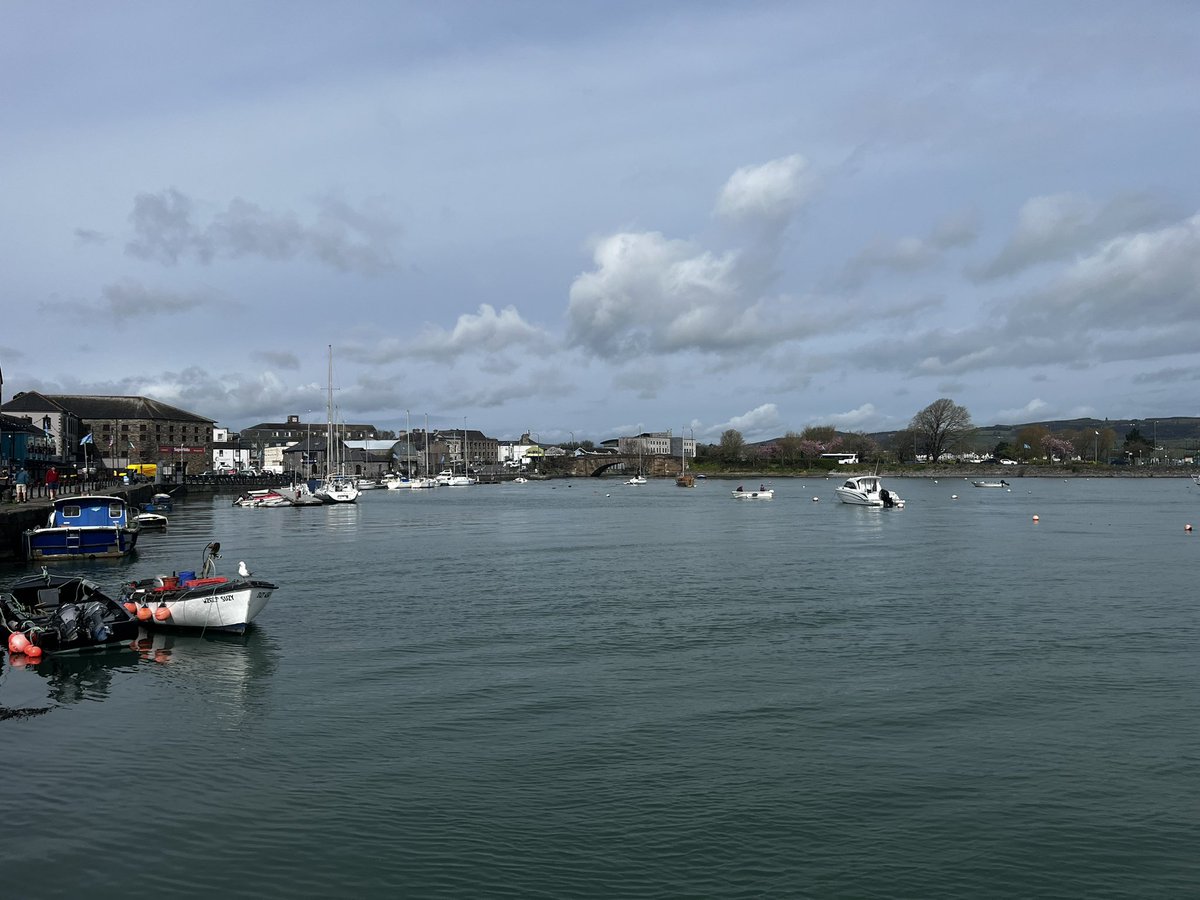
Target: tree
{"type": "Point", "coordinates": [733, 445]}
{"type": "Point", "coordinates": [1135, 444]}
{"type": "Point", "coordinates": [1030, 439]}
{"type": "Point", "coordinates": [904, 445]}
{"type": "Point", "coordinates": [789, 448]}
{"type": "Point", "coordinates": [942, 426]}
{"type": "Point", "coordinates": [825, 435]}
{"type": "Point", "coordinates": [1057, 447]}
{"type": "Point", "coordinates": [863, 444]}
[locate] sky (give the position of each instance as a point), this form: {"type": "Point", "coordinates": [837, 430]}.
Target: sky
{"type": "Point", "coordinates": [588, 219]}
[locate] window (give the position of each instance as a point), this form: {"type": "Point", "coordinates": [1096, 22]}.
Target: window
{"type": "Point", "coordinates": [70, 512]}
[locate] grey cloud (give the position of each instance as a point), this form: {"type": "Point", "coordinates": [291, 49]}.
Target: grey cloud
{"type": "Point", "coordinates": [343, 237]}
{"type": "Point", "coordinates": [486, 331]}
{"type": "Point", "coordinates": [89, 236]}
{"type": "Point", "coordinates": [278, 359]}
{"type": "Point", "coordinates": [126, 300]}
{"type": "Point", "coordinates": [1057, 226]}
{"type": "Point", "coordinates": [912, 253]}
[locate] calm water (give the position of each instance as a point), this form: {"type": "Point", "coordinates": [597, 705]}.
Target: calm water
{"type": "Point", "coordinates": [592, 690]}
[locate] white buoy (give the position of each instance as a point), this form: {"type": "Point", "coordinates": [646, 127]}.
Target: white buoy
{"type": "Point", "coordinates": [1036, 519]}
{"type": "Point", "coordinates": [954, 496]}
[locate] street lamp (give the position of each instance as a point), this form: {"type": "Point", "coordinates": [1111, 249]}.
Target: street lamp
{"type": "Point", "coordinates": [1096, 450]}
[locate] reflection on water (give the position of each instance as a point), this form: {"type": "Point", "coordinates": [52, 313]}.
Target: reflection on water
{"type": "Point", "coordinates": [74, 678]}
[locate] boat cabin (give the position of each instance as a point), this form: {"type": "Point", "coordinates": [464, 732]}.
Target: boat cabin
{"type": "Point", "coordinates": [89, 512]}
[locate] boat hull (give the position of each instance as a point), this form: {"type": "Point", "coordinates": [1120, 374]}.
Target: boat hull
{"type": "Point", "coordinates": [753, 495]}
{"type": "Point", "coordinates": [210, 605]}
{"type": "Point", "coordinates": [56, 543]}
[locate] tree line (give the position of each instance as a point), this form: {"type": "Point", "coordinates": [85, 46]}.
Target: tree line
{"type": "Point", "coordinates": [941, 429]}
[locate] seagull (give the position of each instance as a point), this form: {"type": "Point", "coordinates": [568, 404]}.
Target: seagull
{"type": "Point", "coordinates": [242, 570]}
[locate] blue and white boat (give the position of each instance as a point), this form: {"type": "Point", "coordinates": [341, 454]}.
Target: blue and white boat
{"type": "Point", "coordinates": [83, 528]}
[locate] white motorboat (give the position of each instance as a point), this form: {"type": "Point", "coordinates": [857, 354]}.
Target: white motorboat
{"type": "Point", "coordinates": [209, 602]}
{"type": "Point", "coordinates": [868, 490]}
{"type": "Point", "coordinates": [520, 479]}
{"type": "Point", "coordinates": [261, 498]}
{"type": "Point", "coordinates": [337, 489]}
{"type": "Point", "coordinates": [395, 482]}
{"type": "Point", "coordinates": [637, 479]}
{"type": "Point", "coordinates": [991, 484]}
{"type": "Point", "coordinates": [149, 521]}
{"type": "Point", "coordinates": [761, 494]}
{"type": "Point", "coordinates": [447, 478]}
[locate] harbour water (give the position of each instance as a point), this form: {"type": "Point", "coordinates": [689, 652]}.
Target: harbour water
{"type": "Point", "coordinates": [587, 689]}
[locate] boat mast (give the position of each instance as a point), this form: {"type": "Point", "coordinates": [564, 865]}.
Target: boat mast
{"type": "Point", "coordinates": [329, 416]}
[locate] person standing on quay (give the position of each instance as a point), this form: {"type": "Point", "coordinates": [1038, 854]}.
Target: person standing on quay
{"type": "Point", "coordinates": [22, 484]}
{"type": "Point", "coordinates": [52, 482]}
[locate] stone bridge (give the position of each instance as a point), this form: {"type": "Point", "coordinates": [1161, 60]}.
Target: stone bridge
{"type": "Point", "coordinates": [652, 466]}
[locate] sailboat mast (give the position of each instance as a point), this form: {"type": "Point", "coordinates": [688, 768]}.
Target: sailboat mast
{"type": "Point", "coordinates": [329, 416]}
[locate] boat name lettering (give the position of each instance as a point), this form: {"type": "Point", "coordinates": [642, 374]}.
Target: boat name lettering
{"type": "Point", "coordinates": [224, 598]}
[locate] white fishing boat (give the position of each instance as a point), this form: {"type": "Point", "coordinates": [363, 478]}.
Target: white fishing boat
{"type": "Point", "coordinates": [990, 484]}
{"type": "Point", "coordinates": [868, 490]}
{"type": "Point", "coordinates": [762, 493]}
{"type": "Point", "coordinates": [208, 601]}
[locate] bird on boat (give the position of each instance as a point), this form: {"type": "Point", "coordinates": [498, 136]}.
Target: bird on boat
{"type": "Point", "coordinates": [242, 570]}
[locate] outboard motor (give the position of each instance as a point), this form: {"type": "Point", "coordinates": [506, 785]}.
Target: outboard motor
{"type": "Point", "coordinates": [886, 496]}
{"type": "Point", "coordinates": [93, 615]}
{"type": "Point", "coordinates": [68, 622]}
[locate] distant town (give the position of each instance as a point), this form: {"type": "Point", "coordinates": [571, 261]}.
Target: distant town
{"type": "Point", "coordinates": [117, 434]}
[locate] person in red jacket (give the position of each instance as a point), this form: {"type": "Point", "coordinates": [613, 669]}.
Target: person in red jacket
{"type": "Point", "coordinates": [52, 482]}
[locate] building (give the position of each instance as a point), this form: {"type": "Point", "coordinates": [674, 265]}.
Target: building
{"type": "Point", "coordinates": [648, 443]}
{"type": "Point", "coordinates": [276, 437]}
{"type": "Point", "coordinates": [117, 431]}
{"type": "Point", "coordinates": [228, 452]}
{"type": "Point", "coordinates": [25, 444]}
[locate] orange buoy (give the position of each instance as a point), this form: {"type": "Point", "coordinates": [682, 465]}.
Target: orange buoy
{"type": "Point", "coordinates": [131, 608]}
{"type": "Point", "coordinates": [143, 613]}
{"type": "Point", "coordinates": [33, 652]}
{"type": "Point", "coordinates": [162, 613]}
{"type": "Point", "coordinates": [17, 642]}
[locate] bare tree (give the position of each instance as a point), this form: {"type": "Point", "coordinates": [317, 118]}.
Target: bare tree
{"type": "Point", "coordinates": [942, 425]}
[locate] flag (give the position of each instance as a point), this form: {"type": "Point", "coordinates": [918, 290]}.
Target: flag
{"type": "Point", "coordinates": [1027, 447]}
{"type": "Point", "coordinates": [131, 445]}
{"type": "Point", "coordinates": [87, 439]}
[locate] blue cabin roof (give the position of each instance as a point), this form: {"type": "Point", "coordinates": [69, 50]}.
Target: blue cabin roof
{"type": "Point", "coordinates": [79, 512]}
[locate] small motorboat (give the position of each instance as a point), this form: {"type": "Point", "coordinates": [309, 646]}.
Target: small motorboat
{"type": "Point", "coordinates": [262, 498]}
{"type": "Point", "coordinates": [65, 614]}
{"type": "Point", "coordinates": [761, 494]}
{"type": "Point", "coordinates": [868, 490]}
{"type": "Point", "coordinates": [637, 479]}
{"type": "Point", "coordinates": [520, 479]}
{"type": "Point", "coordinates": [209, 602]}
{"type": "Point", "coordinates": [151, 521]}
{"type": "Point", "coordinates": [991, 484]}
{"type": "Point", "coordinates": [159, 503]}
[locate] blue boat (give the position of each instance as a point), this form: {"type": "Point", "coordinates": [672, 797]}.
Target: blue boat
{"type": "Point", "coordinates": [83, 528]}
{"type": "Point", "coordinates": [159, 503]}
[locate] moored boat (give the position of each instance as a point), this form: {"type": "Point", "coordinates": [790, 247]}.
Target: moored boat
{"type": "Point", "coordinates": [262, 498]}
{"type": "Point", "coordinates": [64, 614]}
{"type": "Point", "coordinates": [868, 490]}
{"type": "Point", "coordinates": [762, 493]}
{"type": "Point", "coordinates": [151, 521]}
{"type": "Point", "coordinates": [209, 602]}
{"type": "Point", "coordinates": [85, 527]}
{"type": "Point", "coordinates": [990, 484]}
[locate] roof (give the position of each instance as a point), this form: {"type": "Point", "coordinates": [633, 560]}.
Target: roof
{"type": "Point", "coordinates": [95, 408]}
{"type": "Point", "coordinates": [12, 424]}
{"type": "Point", "coordinates": [371, 446]}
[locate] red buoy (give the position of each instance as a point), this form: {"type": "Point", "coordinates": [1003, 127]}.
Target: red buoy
{"type": "Point", "coordinates": [17, 642]}
{"type": "Point", "coordinates": [143, 613]}
{"type": "Point", "coordinates": [162, 613]}
{"type": "Point", "coordinates": [33, 652]}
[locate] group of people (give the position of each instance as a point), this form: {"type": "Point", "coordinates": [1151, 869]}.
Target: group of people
{"type": "Point", "coordinates": [22, 480]}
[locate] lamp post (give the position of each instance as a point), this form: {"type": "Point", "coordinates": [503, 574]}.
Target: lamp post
{"type": "Point", "coordinates": [1096, 449]}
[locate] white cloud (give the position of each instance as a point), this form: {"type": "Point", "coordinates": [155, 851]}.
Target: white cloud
{"type": "Point", "coordinates": [771, 192]}
{"type": "Point", "coordinates": [1033, 410]}
{"type": "Point", "coordinates": [759, 423]}
{"type": "Point", "coordinates": [487, 331]}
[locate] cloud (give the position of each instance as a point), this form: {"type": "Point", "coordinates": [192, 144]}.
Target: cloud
{"type": "Point", "coordinates": [278, 359]}
{"type": "Point", "coordinates": [912, 253]}
{"type": "Point", "coordinates": [650, 294]}
{"type": "Point", "coordinates": [487, 331]}
{"type": "Point", "coordinates": [129, 299]}
{"type": "Point", "coordinates": [758, 423]}
{"type": "Point", "coordinates": [1032, 411]}
{"type": "Point", "coordinates": [85, 236]}
{"type": "Point", "coordinates": [343, 237]}
{"type": "Point", "coordinates": [770, 193]}
{"type": "Point", "coordinates": [854, 419]}
{"type": "Point", "coordinates": [1057, 226]}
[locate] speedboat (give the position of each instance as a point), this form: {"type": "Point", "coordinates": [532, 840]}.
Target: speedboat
{"type": "Point", "coordinates": [209, 602]}
{"type": "Point", "coordinates": [86, 527]}
{"type": "Point", "coordinates": [151, 521]}
{"type": "Point", "coordinates": [367, 484]}
{"type": "Point", "coordinates": [991, 484]}
{"type": "Point", "coordinates": [395, 482]}
{"type": "Point", "coordinates": [637, 479]}
{"type": "Point", "coordinates": [520, 479]}
{"type": "Point", "coordinates": [261, 498]}
{"type": "Point", "coordinates": [63, 614]}
{"type": "Point", "coordinates": [761, 494]}
{"type": "Point", "coordinates": [868, 490]}
{"type": "Point", "coordinates": [159, 503]}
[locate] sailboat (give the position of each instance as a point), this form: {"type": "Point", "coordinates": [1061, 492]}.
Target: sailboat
{"type": "Point", "coordinates": [685, 478]}
{"type": "Point", "coordinates": [337, 486]}
{"type": "Point", "coordinates": [449, 477]}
